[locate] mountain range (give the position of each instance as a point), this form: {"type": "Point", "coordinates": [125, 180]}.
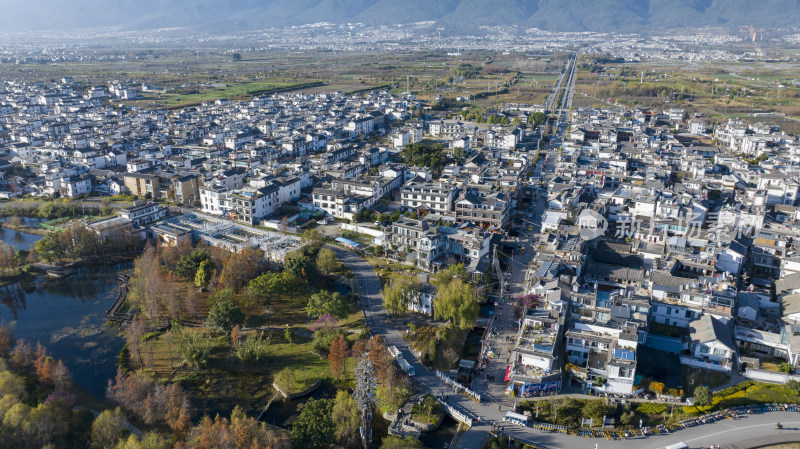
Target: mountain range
{"type": "Point", "coordinates": [554, 15]}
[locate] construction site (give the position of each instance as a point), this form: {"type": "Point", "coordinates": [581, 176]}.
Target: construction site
{"type": "Point", "coordinates": [227, 234]}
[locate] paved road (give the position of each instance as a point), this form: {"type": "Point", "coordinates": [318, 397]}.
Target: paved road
{"type": "Point", "coordinates": [746, 432]}
{"type": "Point", "coordinates": [742, 433]}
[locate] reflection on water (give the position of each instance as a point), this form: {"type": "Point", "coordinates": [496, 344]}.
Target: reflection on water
{"type": "Point", "coordinates": [67, 316]}
{"type": "Point", "coordinates": [20, 240]}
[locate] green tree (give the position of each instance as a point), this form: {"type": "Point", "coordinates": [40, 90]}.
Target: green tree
{"type": "Point", "coordinates": [188, 265]}
{"type": "Point", "coordinates": [786, 368]}
{"type": "Point", "coordinates": [346, 419]}
{"type": "Point", "coordinates": [536, 119]}
{"type": "Point", "coordinates": [252, 349]}
{"type": "Point", "coordinates": [327, 261]}
{"type": "Point", "coordinates": [50, 248]}
{"type": "Point", "coordinates": [393, 442]}
{"type": "Point", "coordinates": [291, 283]}
{"type": "Point", "coordinates": [457, 301]}
{"type": "Point", "coordinates": [151, 440]}
{"type": "Point", "coordinates": [11, 384]}
{"type": "Point", "coordinates": [108, 429]}
{"type": "Point", "coordinates": [204, 273]}
{"type": "Point", "coordinates": [626, 418]}
{"type": "Point", "coordinates": [596, 410]}
{"type": "Point", "coordinates": [267, 286]}
{"type": "Point", "coordinates": [397, 295]}
{"type": "Point", "coordinates": [314, 427]}
{"type": "Point", "coordinates": [426, 153]}
{"type": "Point", "coordinates": [236, 57]}
{"type": "Point", "coordinates": [300, 265]}
{"type": "Point", "coordinates": [224, 314]}
{"type": "Point", "coordinates": [459, 154]}
{"type": "Point", "coordinates": [443, 277]}
{"type": "Point", "coordinates": [288, 335]}
{"type": "Point", "coordinates": [326, 302]}
{"type": "Point", "coordinates": [702, 396]}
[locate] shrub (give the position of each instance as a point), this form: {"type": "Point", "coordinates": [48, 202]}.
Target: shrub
{"type": "Point", "coordinates": [647, 408]}
{"type": "Point", "coordinates": [252, 349]}
{"type": "Point", "coordinates": [735, 388]}
{"type": "Point", "coordinates": [323, 339]}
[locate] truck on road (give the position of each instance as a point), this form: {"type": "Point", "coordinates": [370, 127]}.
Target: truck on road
{"type": "Point", "coordinates": [406, 366]}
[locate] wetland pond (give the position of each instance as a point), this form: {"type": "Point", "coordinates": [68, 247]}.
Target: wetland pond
{"type": "Point", "coordinates": [67, 315]}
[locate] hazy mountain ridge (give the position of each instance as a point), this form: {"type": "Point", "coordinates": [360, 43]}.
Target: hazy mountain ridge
{"type": "Point", "coordinates": [555, 15]}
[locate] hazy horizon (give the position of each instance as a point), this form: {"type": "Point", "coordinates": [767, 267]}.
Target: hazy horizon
{"type": "Point", "coordinates": [238, 15]}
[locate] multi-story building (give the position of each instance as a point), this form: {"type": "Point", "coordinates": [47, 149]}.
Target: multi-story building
{"type": "Point", "coordinates": [141, 184]}
{"type": "Point", "coordinates": [603, 355]}
{"type": "Point", "coordinates": [343, 198]}
{"type": "Point", "coordinates": [433, 246]}
{"type": "Point", "coordinates": [250, 205]}
{"type": "Point", "coordinates": [426, 196]}
{"type": "Point", "coordinates": [186, 188]}
{"type": "Point", "coordinates": [485, 209]}
{"type": "Point", "coordinates": [535, 367]}
{"type": "Point", "coordinates": [711, 344]}
{"type": "Point", "coordinates": [143, 214]}
{"type": "Point", "coordinates": [215, 200]}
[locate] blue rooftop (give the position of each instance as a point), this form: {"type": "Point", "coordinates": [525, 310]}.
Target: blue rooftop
{"type": "Point", "coordinates": [624, 354]}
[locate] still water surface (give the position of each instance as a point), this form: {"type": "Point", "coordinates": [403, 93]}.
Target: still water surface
{"type": "Point", "coordinates": [67, 316]}
{"type": "Point", "coordinates": [20, 240]}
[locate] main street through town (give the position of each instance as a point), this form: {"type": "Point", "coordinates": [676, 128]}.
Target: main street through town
{"type": "Point", "coordinates": [745, 432]}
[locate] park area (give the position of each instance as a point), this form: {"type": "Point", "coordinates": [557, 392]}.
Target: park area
{"type": "Point", "coordinates": [278, 342]}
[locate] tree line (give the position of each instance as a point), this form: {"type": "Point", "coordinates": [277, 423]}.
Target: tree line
{"type": "Point", "coordinates": [77, 242]}
{"type": "Point", "coordinates": [59, 209]}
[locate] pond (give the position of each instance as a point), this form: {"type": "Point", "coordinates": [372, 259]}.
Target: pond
{"type": "Point", "coordinates": [283, 412]}
{"type": "Point", "coordinates": [67, 315]}
{"type": "Point", "coordinates": [20, 240]}
{"type": "Point", "coordinates": [441, 436]}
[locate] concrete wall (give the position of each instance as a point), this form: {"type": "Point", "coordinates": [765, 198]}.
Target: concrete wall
{"type": "Point", "coordinates": [769, 376]}
{"type": "Point", "coordinates": [362, 230]}
{"type": "Point", "coordinates": [705, 365]}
